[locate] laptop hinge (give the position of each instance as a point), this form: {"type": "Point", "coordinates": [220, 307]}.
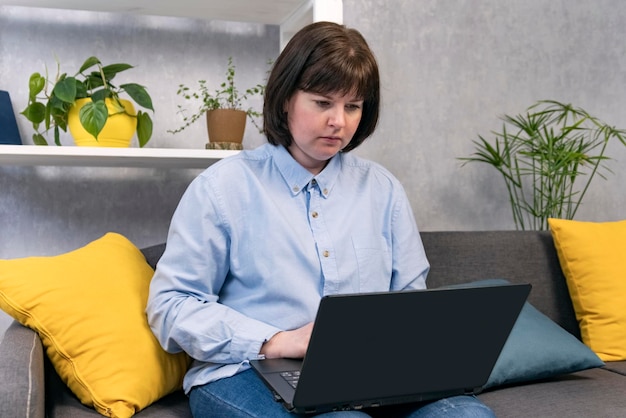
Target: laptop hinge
{"type": "Point", "coordinates": [473, 391]}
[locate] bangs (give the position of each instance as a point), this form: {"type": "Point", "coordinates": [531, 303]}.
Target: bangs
{"type": "Point", "coordinates": [353, 74]}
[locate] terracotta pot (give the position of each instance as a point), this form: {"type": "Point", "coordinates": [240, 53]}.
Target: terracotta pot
{"type": "Point", "coordinates": [117, 132]}
{"type": "Point", "coordinates": [226, 125]}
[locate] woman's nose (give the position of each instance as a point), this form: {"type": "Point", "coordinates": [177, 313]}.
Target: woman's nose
{"type": "Point", "coordinates": [337, 117]}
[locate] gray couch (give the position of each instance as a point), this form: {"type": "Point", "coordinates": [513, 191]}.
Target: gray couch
{"type": "Point", "coordinates": [30, 388]}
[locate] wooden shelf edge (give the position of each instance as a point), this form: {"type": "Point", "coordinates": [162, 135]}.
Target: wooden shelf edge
{"type": "Point", "coordinates": [32, 155]}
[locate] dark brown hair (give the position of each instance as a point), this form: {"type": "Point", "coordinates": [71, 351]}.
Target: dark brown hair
{"type": "Point", "coordinates": [322, 58]}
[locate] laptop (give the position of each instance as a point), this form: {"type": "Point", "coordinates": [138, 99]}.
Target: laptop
{"type": "Point", "coordinates": [377, 349]}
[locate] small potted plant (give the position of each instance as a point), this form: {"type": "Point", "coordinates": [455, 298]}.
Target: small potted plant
{"type": "Point", "coordinates": [224, 110]}
{"type": "Point", "coordinates": [90, 105]}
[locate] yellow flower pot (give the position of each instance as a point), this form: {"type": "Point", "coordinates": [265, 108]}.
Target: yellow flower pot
{"type": "Point", "coordinates": [117, 132]}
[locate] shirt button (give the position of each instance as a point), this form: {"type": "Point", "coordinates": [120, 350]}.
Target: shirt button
{"type": "Point", "coordinates": [314, 214]}
{"type": "Point", "coordinates": [296, 189]}
{"type": "Point", "coordinates": [325, 191]}
{"type": "Point", "coordinates": [326, 253]}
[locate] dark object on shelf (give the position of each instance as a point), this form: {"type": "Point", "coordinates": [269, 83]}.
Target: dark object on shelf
{"type": "Point", "coordinates": [9, 133]}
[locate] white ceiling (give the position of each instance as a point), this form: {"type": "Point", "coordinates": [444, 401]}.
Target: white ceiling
{"type": "Point", "coordinates": [273, 12]}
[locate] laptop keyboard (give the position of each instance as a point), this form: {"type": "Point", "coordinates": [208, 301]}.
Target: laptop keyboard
{"type": "Point", "coordinates": [291, 377]}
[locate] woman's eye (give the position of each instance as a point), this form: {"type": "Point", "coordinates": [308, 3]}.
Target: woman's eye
{"type": "Point", "coordinates": [322, 103]}
{"type": "Point", "coordinates": [353, 107]}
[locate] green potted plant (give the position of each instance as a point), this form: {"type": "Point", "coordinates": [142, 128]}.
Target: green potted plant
{"type": "Point", "coordinates": [86, 102]}
{"type": "Point", "coordinates": [224, 110]}
{"type": "Point", "coordinates": [547, 157]}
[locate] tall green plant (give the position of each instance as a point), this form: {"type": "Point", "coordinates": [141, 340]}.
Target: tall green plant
{"type": "Point", "coordinates": [547, 157]}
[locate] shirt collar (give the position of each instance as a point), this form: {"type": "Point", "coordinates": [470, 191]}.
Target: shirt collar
{"type": "Point", "coordinates": [297, 177]}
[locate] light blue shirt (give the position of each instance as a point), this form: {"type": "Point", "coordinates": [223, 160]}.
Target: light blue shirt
{"type": "Point", "coordinates": [256, 241]}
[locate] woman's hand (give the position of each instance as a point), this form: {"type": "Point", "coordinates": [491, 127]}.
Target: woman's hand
{"type": "Point", "coordinates": [288, 344]}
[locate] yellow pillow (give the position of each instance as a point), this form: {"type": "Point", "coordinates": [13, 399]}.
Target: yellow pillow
{"type": "Point", "coordinates": [87, 306]}
{"type": "Point", "coordinates": [593, 260]}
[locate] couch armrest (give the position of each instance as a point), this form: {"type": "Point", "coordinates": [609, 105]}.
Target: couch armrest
{"type": "Point", "coordinates": [22, 391]}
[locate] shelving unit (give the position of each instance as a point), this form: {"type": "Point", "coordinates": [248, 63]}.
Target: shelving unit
{"type": "Point", "coordinates": [32, 155]}
{"type": "Point", "coordinates": [290, 15]}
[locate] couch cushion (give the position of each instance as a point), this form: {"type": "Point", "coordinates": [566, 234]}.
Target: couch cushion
{"type": "Point", "coordinates": [593, 258]}
{"type": "Point", "coordinates": [153, 254]}
{"type": "Point", "coordinates": [22, 390]}
{"type": "Point", "coordinates": [589, 393]}
{"type": "Point", "coordinates": [518, 256]}
{"type": "Point", "coordinates": [616, 367]}
{"type": "Point", "coordinates": [537, 348]}
{"type": "Point", "coordinates": [88, 307]}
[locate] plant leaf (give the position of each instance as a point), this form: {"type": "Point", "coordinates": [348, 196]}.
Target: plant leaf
{"type": "Point", "coordinates": [111, 70]}
{"type": "Point", "coordinates": [89, 62]}
{"type": "Point", "coordinates": [139, 94]}
{"type": "Point", "coordinates": [93, 116]}
{"type": "Point", "coordinates": [93, 80]}
{"type": "Point", "coordinates": [65, 89]}
{"type": "Point", "coordinates": [81, 90]}
{"type": "Point", "coordinates": [144, 128]}
{"type": "Point", "coordinates": [36, 83]}
{"type": "Point", "coordinates": [57, 108]}
{"type": "Point", "coordinates": [35, 112]}
{"type": "Point", "coordinates": [57, 136]}
{"type": "Point", "coordinates": [100, 95]}
{"type": "Point", "coordinates": [38, 139]}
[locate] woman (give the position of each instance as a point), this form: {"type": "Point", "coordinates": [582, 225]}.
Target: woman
{"type": "Point", "coordinates": [260, 237]}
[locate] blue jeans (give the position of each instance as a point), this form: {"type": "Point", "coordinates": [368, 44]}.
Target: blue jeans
{"type": "Point", "coordinates": [245, 395]}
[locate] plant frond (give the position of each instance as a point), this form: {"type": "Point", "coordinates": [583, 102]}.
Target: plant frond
{"type": "Point", "coordinates": [549, 160]}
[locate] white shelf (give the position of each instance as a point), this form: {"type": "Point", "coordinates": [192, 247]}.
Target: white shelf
{"type": "Point", "coordinates": [268, 12]}
{"type": "Point", "coordinates": [290, 15]}
{"type": "Point", "coordinates": [33, 155]}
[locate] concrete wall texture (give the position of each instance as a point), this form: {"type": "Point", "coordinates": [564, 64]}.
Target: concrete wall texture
{"type": "Point", "coordinates": [449, 70]}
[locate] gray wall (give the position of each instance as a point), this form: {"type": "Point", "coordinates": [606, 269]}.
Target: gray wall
{"type": "Point", "coordinates": [449, 69]}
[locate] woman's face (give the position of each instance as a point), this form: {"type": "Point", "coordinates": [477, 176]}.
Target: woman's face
{"type": "Point", "coordinates": [321, 125]}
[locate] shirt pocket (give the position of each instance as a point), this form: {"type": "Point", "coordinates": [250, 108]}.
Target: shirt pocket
{"type": "Point", "coordinates": [374, 263]}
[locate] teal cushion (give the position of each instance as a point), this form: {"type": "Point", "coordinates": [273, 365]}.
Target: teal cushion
{"type": "Point", "coordinates": [537, 348]}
